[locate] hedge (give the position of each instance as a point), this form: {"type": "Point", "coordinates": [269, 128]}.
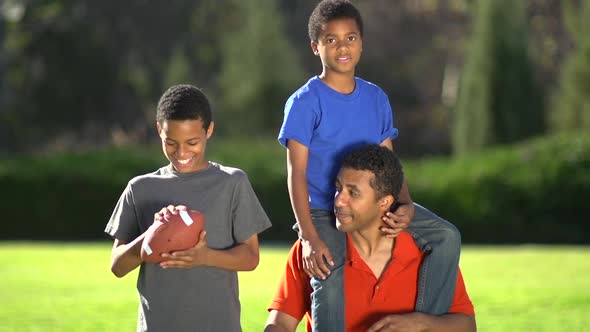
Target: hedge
{"type": "Point", "coordinates": [531, 192]}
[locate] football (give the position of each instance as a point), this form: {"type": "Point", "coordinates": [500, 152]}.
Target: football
{"type": "Point", "coordinates": [180, 232]}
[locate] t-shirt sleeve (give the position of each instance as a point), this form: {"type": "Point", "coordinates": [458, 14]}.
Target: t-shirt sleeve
{"type": "Point", "coordinates": [248, 216]}
{"type": "Point", "coordinates": [298, 123]}
{"type": "Point", "coordinates": [293, 293]}
{"type": "Point", "coordinates": [123, 222]}
{"type": "Point", "coordinates": [461, 301]}
{"type": "Point", "coordinates": [387, 130]}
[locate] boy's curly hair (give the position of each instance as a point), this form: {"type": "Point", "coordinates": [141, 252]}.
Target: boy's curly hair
{"type": "Point", "coordinates": [184, 102]}
{"type": "Point", "coordinates": [328, 10]}
{"type": "Point", "coordinates": [383, 163]}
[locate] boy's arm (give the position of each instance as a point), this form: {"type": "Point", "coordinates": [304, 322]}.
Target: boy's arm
{"type": "Point", "coordinates": [280, 322]}
{"type": "Point", "coordinates": [314, 249]}
{"type": "Point", "coordinates": [399, 219]}
{"type": "Point", "coordinates": [417, 321]}
{"type": "Point", "coordinates": [125, 257]}
{"type": "Point", "coordinates": [242, 257]}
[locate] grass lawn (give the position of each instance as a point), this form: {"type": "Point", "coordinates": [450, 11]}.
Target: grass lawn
{"type": "Point", "coordinates": [68, 287]}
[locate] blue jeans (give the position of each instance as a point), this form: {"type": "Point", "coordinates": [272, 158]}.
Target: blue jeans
{"type": "Point", "coordinates": [327, 297]}
{"type": "Point", "coordinates": [441, 242]}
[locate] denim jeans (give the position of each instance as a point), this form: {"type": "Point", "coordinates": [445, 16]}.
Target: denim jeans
{"type": "Point", "coordinates": [441, 242]}
{"type": "Point", "coordinates": [327, 297]}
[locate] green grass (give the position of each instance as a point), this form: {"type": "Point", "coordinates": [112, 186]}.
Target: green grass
{"type": "Point", "coordinates": [68, 287]}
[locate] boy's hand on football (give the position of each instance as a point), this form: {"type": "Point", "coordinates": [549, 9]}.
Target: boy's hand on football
{"type": "Point", "coordinates": [315, 254]}
{"type": "Point", "coordinates": [184, 259]}
{"type": "Point", "coordinates": [395, 222]}
{"type": "Point", "coordinates": [166, 212]}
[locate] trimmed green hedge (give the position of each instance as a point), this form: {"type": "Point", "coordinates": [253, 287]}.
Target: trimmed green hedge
{"type": "Point", "coordinates": [532, 192]}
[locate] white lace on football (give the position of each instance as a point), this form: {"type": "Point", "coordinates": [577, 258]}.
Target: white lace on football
{"type": "Point", "coordinates": [186, 218]}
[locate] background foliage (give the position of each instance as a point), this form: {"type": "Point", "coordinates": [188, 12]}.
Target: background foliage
{"type": "Point", "coordinates": [79, 81]}
{"type": "Point", "coordinates": [571, 109]}
{"type": "Point", "coordinates": [533, 192]}
{"type": "Point", "coordinates": [499, 101]}
{"type": "Point", "coordinates": [82, 74]}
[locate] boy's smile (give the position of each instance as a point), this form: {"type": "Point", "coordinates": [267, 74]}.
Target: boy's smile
{"type": "Point", "coordinates": [339, 46]}
{"type": "Point", "coordinates": [184, 143]}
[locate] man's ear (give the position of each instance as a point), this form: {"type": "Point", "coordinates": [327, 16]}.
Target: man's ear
{"type": "Point", "coordinates": [386, 202]}
{"type": "Point", "coordinates": [158, 127]}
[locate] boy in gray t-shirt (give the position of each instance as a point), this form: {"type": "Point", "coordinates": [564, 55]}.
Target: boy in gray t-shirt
{"type": "Point", "coordinates": [195, 289]}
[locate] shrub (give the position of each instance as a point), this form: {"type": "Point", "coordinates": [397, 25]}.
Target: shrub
{"type": "Point", "coordinates": [532, 192]}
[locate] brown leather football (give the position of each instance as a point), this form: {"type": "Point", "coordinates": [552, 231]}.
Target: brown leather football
{"type": "Point", "coordinates": [180, 232]}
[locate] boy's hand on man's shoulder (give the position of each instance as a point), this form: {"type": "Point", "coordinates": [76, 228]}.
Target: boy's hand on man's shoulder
{"type": "Point", "coordinates": [195, 256]}
{"type": "Point", "coordinates": [398, 220]}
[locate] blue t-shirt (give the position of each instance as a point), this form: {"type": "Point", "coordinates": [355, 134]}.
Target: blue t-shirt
{"type": "Point", "coordinates": [331, 124]}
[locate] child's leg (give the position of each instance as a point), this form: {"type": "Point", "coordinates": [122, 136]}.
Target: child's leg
{"type": "Point", "coordinates": [327, 298]}
{"type": "Point", "coordinates": [441, 241]}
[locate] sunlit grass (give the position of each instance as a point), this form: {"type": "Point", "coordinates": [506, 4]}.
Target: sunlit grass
{"type": "Point", "coordinates": [68, 287]}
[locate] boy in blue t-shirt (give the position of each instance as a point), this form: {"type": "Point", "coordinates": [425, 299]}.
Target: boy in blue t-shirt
{"type": "Point", "coordinates": [326, 118]}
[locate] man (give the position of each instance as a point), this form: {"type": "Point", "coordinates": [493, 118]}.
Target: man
{"type": "Point", "coordinates": [380, 273]}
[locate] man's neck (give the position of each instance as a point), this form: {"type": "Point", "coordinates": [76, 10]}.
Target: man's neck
{"type": "Point", "coordinates": [341, 82]}
{"type": "Point", "coordinates": [374, 248]}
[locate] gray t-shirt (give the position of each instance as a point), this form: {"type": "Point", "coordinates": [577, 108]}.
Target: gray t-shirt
{"type": "Point", "coordinates": [201, 298]}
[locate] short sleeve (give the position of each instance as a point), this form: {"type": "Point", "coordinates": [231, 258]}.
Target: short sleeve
{"type": "Point", "coordinates": [387, 130]}
{"type": "Point", "coordinates": [123, 223]}
{"type": "Point", "coordinates": [461, 301]}
{"type": "Point", "coordinates": [293, 293]}
{"type": "Point", "coordinates": [248, 216]}
{"type": "Point", "coordinates": [298, 123]}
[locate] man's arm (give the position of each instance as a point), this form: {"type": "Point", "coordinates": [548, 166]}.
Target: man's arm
{"type": "Point", "coordinates": [242, 257]}
{"type": "Point", "coordinates": [280, 322]}
{"type": "Point", "coordinates": [417, 321]}
{"type": "Point", "coordinates": [125, 257]}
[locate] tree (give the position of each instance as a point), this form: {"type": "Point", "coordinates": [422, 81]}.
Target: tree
{"type": "Point", "coordinates": [499, 101]}
{"type": "Point", "coordinates": [259, 68]}
{"type": "Point", "coordinates": [571, 107]}
{"type": "Point", "coordinates": [77, 73]}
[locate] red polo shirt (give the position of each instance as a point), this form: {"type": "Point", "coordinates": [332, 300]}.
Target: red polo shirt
{"type": "Point", "coordinates": [368, 299]}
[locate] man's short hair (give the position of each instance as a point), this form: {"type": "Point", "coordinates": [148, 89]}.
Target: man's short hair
{"type": "Point", "coordinates": [383, 163]}
{"type": "Point", "coordinates": [328, 10]}
{"type": "Point", "coordinates": [184, 102]}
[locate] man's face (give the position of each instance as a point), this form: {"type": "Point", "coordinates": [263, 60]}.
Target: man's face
{"type": "Point", "coordinates": [184, 143]}
{"type": "Point", "coordinates": [339, 45]}
{"type": "Point", "coordinates": [356, 204]}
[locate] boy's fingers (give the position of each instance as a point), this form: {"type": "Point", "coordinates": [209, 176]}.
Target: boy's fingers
{"type": "Point", "coordinates": [329, 258]}
{"type": "Point", "coordinates": [389, 222]}
{"type": "Point", "coordinates": [307, 267]}
{"type": "Point", "coordinates": [391, 231]}
{"type": "Point", "coordinates": [317, 269]}
{"type": "Point", "coordinates": [325, 269]}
